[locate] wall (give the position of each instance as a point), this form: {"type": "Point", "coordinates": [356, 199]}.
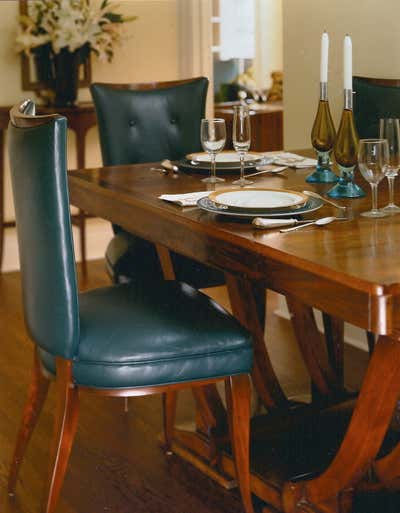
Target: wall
{"type": "Point", "coordinates": [269, 45]}
{"type": "Point", "coordinates": [376, 52]}
{"type": "Point", "coordinates": [148, 52]}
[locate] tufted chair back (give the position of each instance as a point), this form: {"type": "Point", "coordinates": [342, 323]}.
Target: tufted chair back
{"type": "Point", "coordinates": [37, 149]}
{"type": "Point", "coordinates": [374, 98]}
{"type": "Point", "coordinates": [149, 122]}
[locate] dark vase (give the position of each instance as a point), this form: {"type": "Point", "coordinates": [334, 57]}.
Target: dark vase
{"type": "Point", "coordinates": [44, 63]}
{"type": "Point", "coordinates": [66, 77]}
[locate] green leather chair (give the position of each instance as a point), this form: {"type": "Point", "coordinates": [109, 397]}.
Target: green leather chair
{"type": "Point", "coordinates": [122, 340]}
{"type": "Point", "coordinates": [148, 123]}
{"type": "Point", "coordinates": [374, 98]}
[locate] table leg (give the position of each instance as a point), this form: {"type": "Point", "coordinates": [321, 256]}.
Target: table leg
{"type": "Point", "coordinates": [317, 357]}
{"type": "Point", "coordinates": [248, 306]}
{"type": "Point", "coordinates": [362, 440]}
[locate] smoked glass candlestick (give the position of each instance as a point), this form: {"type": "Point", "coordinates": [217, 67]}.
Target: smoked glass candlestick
{"type": "Point", "coordinates": [345, 150]}
{"type": "Point", "coordinates": [322, 139]}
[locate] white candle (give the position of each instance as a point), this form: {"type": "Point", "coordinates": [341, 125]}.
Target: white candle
{"type": "Point", "coordinates": [347, 63]}
{"type": "Point", "coordinates": [324, 57]}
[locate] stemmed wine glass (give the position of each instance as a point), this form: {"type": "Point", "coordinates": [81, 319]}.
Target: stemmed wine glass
{"type": "Point", "coordinates": [373, 157]}
{"type": "Point", "coordinates": [241, 136]}
{"type": "Point", "coordinates": [389, 129]}
{"type": "Point", "coordinates": [213, 138]}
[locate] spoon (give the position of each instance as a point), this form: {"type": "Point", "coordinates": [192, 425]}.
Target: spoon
{"type": "Point", "coordinates": [318, 196]}
{"type": "Point", "coordinates": [167, 164]}
{"type": "Point", "coordinates": [260, 170]}
{"type": "Point", "coordinates": [319, 222]}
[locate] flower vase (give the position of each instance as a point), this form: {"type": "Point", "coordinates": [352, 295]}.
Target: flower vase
{"type": "Point", "coordinates": [66, 77]}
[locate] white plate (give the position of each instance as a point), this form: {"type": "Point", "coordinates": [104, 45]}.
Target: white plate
{"type": "Point", "coordinates": [209, 206]}
{"type": "Point", "coordinates": [258, 199]}
{"type": "Point", "coordinates": [225, 157]}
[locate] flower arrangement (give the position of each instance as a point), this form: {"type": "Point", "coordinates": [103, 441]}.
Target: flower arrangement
{"type": "Point", "coordinates": [71, 25]}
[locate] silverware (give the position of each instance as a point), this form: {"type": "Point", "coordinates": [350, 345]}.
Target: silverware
{"type": "Point", "coordinates": [319, 222]}
{"type": "Point", "coordinates": [318, 196]}
{"type": "Point", "coordinates": [160, 170]}
{"type": "Point", "coordinates": [272, 171]}
{"type": "Point", "coordinates": [167, 164]}
{"type": "Point", "coordinates": [270, 224]}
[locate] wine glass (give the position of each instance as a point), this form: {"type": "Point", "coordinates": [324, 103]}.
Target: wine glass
{"type": "Point", "coordinates": [389, 129]}
{"type": "Point", "coordinates": [241, 136]}
{"type": "Point", "coordinates": [373, 157]}
{"type": "Point", "coordinates": [213, 138]}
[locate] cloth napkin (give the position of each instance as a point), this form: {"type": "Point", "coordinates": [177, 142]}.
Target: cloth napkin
{"type": "Point", "coordinates": [292, 160]}
{"type": "Point", "coordinates": [188, 199]}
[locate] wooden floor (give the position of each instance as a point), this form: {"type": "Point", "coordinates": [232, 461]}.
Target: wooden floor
{"type": "Point", "coordinates": [116, 464]}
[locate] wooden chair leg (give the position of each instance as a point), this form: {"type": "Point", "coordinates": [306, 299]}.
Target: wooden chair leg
{"type": "Point", "coordinates": [37, 394]}
{"type": "Point", "coordinates": [169, 414]}
{"type": "Point", "coordinates": [238, 404]}
{"type": "Point", "coordinates": [65, 423]}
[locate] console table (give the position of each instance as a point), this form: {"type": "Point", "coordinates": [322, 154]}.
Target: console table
{"type": "Point", "coordinates": [80, 119]}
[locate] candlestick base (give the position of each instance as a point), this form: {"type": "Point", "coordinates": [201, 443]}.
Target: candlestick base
{"type": "Point", "coordinates": [323, 172]}
{"type": "Point", "coordinates": [346, 188]}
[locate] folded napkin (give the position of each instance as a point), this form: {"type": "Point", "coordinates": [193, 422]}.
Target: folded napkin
{"type": "Point", "coordinates": [188, 199]}
{"type": "Point", "coordinates": [264, 223]}
{"type": "Point", "coordinates": [292, 160]}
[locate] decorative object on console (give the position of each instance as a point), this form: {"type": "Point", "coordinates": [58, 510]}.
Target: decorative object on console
{"type": "Point", "coordinates": [346, 145]}
{"type": "Point", "coordinates": [323, 131]}
{"type": "Point", "coordinates": [276, 92]}
{"type": "Point", "coordinates": [58, 36]}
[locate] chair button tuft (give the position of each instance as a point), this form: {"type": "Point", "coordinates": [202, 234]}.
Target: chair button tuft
{"type": "Point", "coordinates": [173, 121]}
{"type": "Point", "coordinates": [132, 122]}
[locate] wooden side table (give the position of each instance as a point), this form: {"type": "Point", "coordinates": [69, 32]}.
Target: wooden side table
{"type": "Point", "coordinates": [266, 125]}
{"type": "Point", "coordinates": [80, 119]}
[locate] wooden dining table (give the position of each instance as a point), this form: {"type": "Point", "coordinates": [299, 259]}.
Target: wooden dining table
{"type": "Point", "coordinates": [348, 269]}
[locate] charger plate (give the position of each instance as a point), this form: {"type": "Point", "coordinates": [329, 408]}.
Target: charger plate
{"type": "Point", "coordinates": [258, 199]}
{"type": "Point", "coordinates": [225, 158]}
{"type": "Point", "coordinates": [208, 205]}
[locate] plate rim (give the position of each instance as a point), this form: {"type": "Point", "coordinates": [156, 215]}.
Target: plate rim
{"type": "Point", "coordinates": [251, 215]}
{"type": "Point", "coordinates": [292, 206]}
{"type": "Point", "coordinates": [191, 156]}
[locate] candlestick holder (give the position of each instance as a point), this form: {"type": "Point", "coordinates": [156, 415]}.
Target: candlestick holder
{"type": "Point", "coordinates": [322, 139]}
{"type": "Point", "coordinates": [345, 150]}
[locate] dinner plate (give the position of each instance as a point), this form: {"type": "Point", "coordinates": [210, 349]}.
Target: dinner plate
{"type": "Point", "coordinates": [208, 205]}
{"type": "Point", "coordinates": [259, 199]}
{"type": "Point", "coordinates": [225, 158]}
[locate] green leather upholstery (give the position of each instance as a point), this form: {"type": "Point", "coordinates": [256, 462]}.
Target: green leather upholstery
{"type": "Point", "coordinates": [372, 102]}
{"type": "Point", "coordinates": [135, 335]}
{"type": "Point", "coordinates": [38, 163]}
{"type": "Point", "coordinates": [147, 126]}
{"type": "Point", "coordinates": [119, 336]}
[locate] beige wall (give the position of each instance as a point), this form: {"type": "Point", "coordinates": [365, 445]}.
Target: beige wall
{"type": "Point", "coordinates": [374, 29]}
{"type": "Point", "coordinates": [269, 44]}
{"type": "Point", "coordinates": [148, 52]}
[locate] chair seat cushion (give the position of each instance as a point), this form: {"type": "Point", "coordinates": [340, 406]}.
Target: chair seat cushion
{"type": "Point", "coordinates": [133, 335]}
{"type": "Point", "coordinates": [133, 258]}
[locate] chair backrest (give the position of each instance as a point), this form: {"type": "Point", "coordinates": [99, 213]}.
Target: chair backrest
{"type": "Point", "coordinates": [149, 122]}
{"type": "Point", "coordinates": [374, 98]}
{"type": "Point", "coordinates": [37, 150]}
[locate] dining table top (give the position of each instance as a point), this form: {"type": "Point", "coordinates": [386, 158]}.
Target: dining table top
{"type": "Point", "coordinates": [347, 268]}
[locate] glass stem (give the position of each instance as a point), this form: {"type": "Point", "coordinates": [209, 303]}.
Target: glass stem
{"type": "Point", "coordinates": [391, 190]}
{"type": "Point", "coordinates": [241, 156]}
{"type": "Point", "coordinates": [213, 173]}
{"type": "Point", "coordinates": [374, 189]}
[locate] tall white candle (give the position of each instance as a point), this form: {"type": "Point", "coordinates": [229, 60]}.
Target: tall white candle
{"type": "Point", "coordinates": [347, 63]}
{"type": "Point", "coordinates": [324, 57]}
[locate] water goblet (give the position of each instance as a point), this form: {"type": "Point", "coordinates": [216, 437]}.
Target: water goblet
{"type": "Point", "coordinates": [213, 138]}
{"type": "Point", "coordinates": [389, 129]}
{"type": "Point", "coordinates": [373, 157]}
{"type": "Point", "coordinates": [241, 136]}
